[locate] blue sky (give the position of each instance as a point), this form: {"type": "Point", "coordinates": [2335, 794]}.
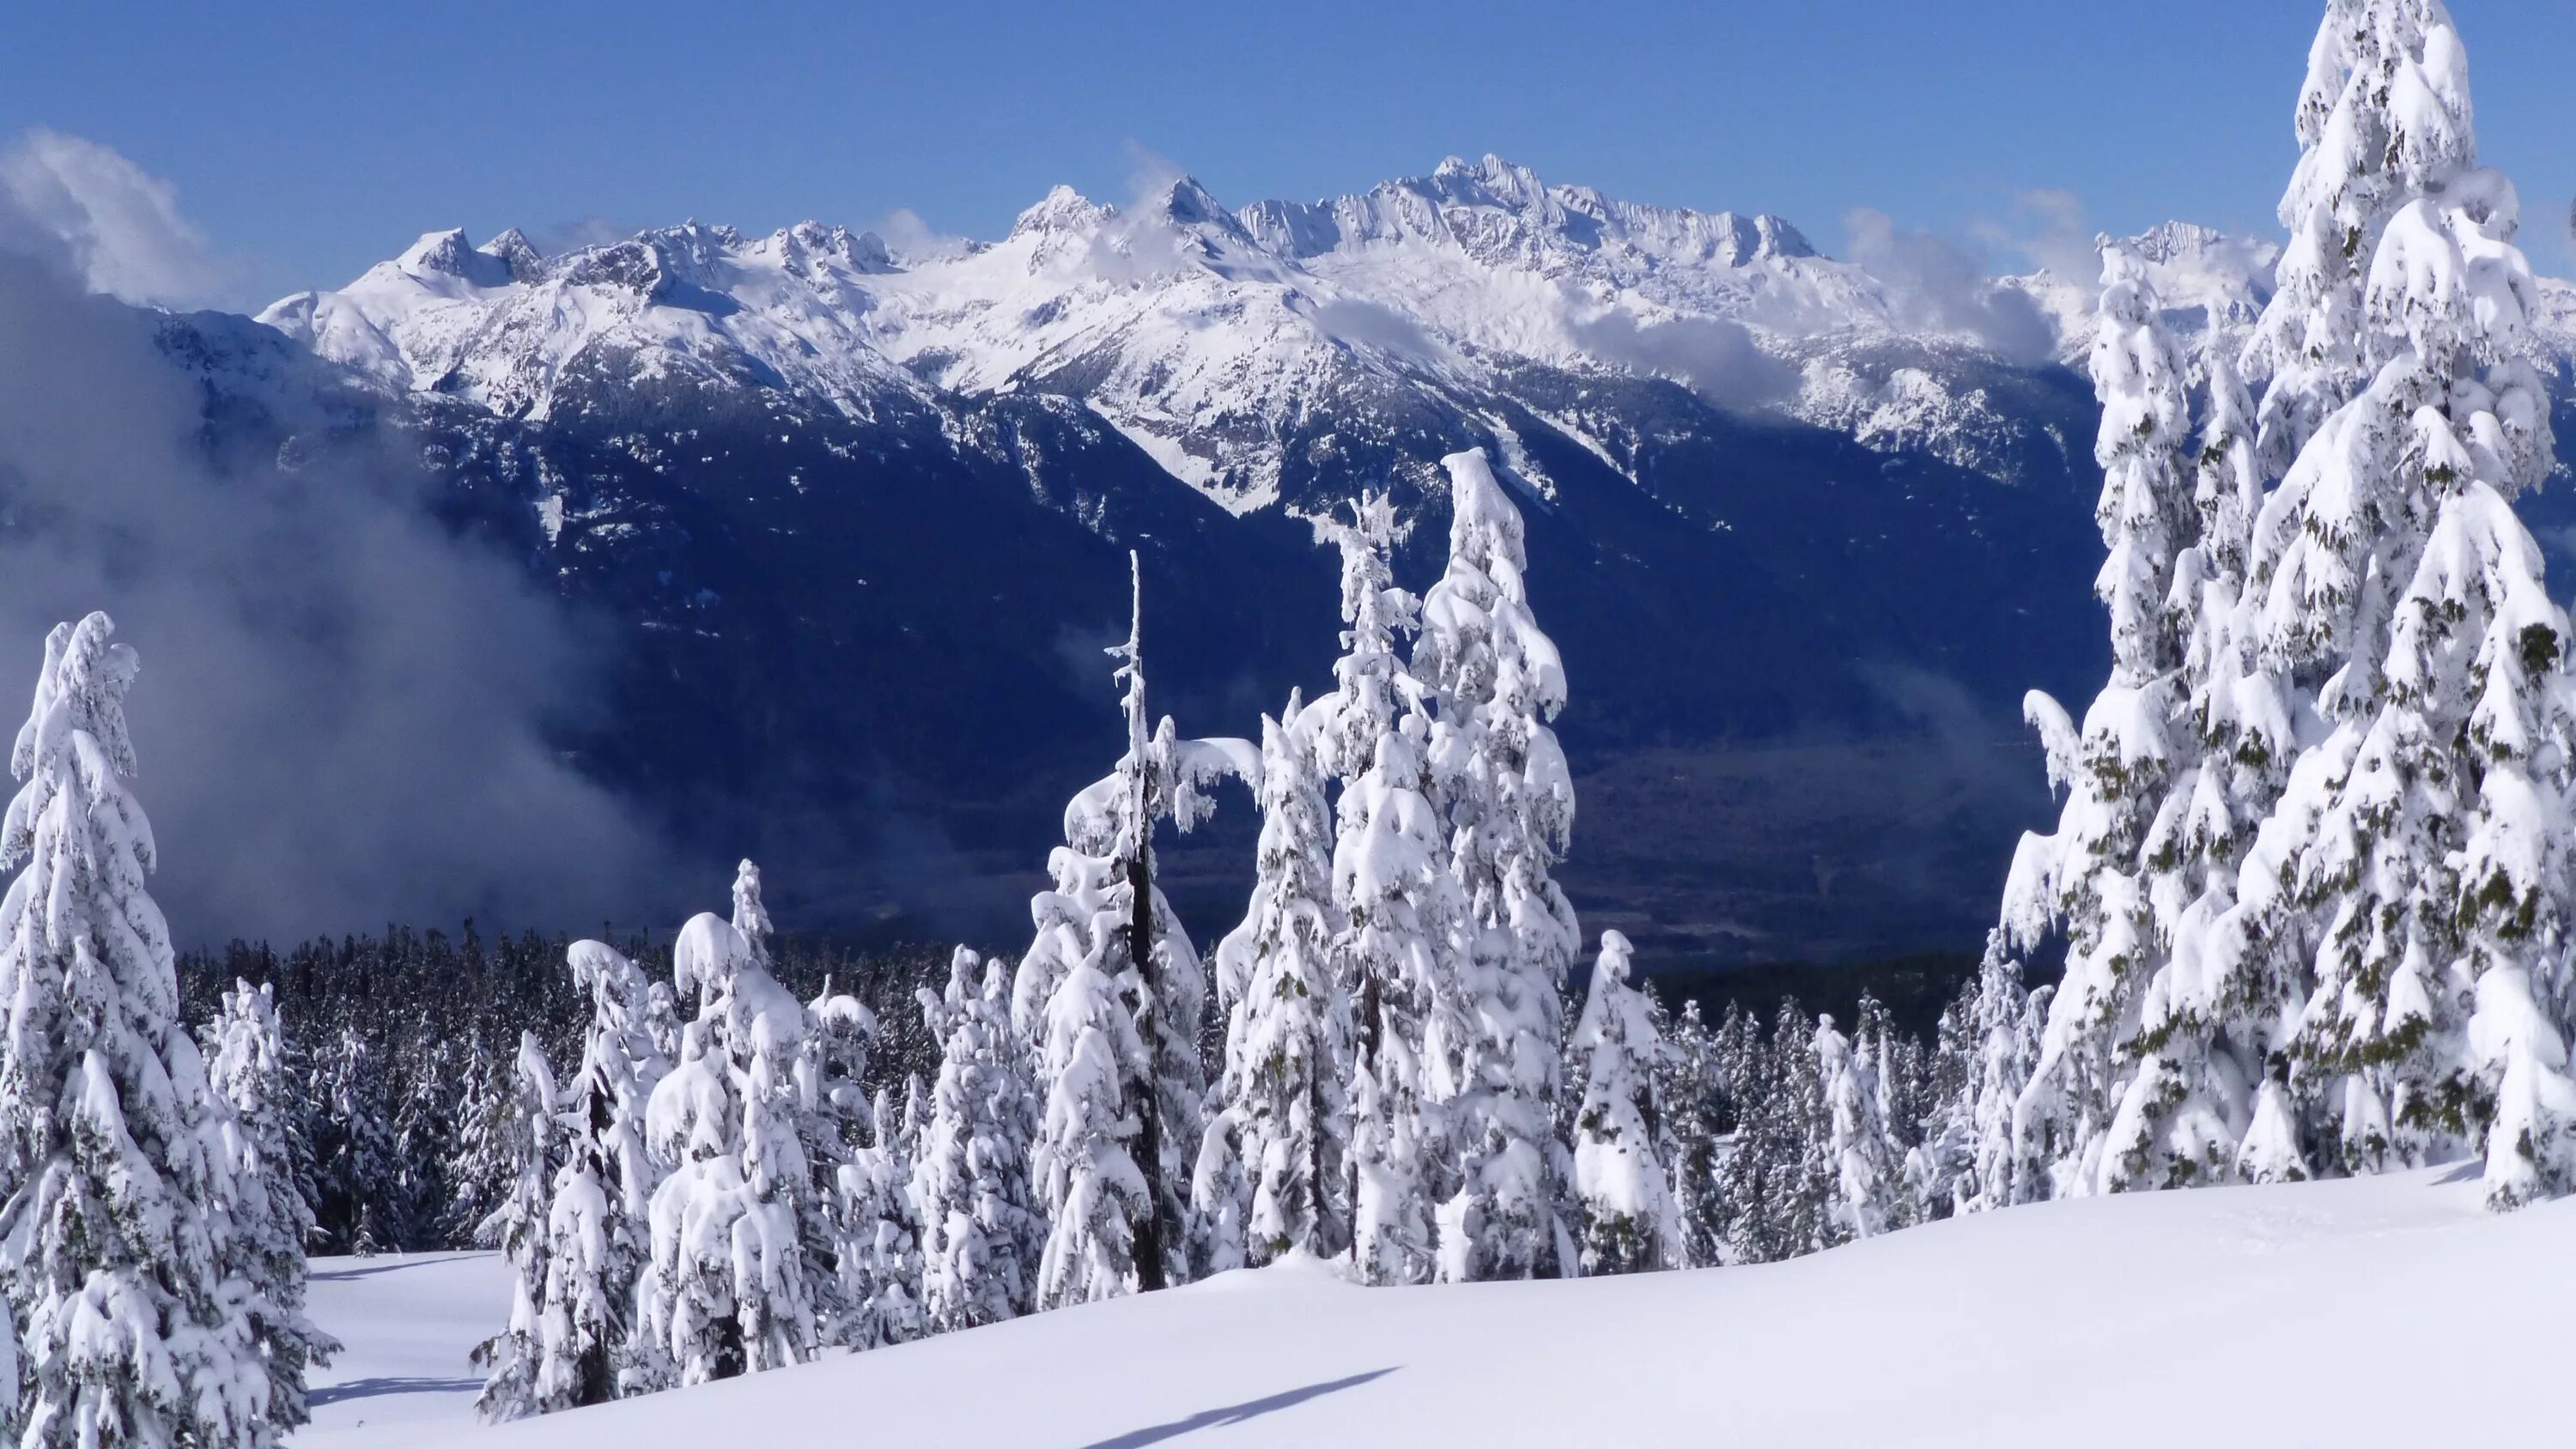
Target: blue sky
{"type": "Point", "coordinates": [306, 141]}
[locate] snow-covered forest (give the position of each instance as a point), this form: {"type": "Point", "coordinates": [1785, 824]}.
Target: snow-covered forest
{"type": "Point", "coordinates": [2304, 915]}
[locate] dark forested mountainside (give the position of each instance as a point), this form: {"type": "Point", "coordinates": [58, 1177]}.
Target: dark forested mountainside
{"type": "Point", "coordinates": [872, 649]}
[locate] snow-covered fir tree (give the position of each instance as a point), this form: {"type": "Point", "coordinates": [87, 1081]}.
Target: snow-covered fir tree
{"type": "Point", "coordinates": [523, 1363]}
{"type": "Point", "coordinates": [1943, 1159]}
{"type": "Point", "coordinates": [2412, 870]}
{"type": "Point", "coordinates": [837, 1215]}
{"type": "Point", "coordinates": [1867, 1184]}
{"type": "Point", "coordinates": [266, 1216]}
{"type": "Point", "coordinates": [1220, 1198]}
{"type": "Point", "coordinates": [750, 914]}
{"type": "Point", "coordinates": [2212, 1012]}
{"type": "Point", "coordinates": [881, 1257]}
{"type": "Point", "coordinates": [2374, 126]}
{"type": "Point", "coordinates": [1748, 1090]}
{"type": "Point", "coordinates": [297, 1111]}
{"type": "Point", "coordinates": [1998, 1024]}
{"type": "Point", "coordinates": [581, 1326]}
{"type": "Point", "coordinates": [1894, 1070]}
{"type": "Point", "coordinates": [1109, 943]}
{"type": "Point", "coordinates": [359, 1164]}
{"type": "Point", "coordinates": [1493, 1026]}
{"type": "Point", "coordinates": [1780, 1182]}
{"type": "Point", "coordinates": [730, 1290]}
{"type": "Point", "coordinates": [1288, 1046]}
{"type": "Point", "coordinates": [1909, 1079]}
{"type": "Point", "coordinates": [424, 1127]}
{"type": "Point", "coordinates": [1391, 877]}
{"type": "Point", "coordinates": [1623, 1150]}
{"type": "Point", "coordinates": [1688, 1086]}
{"type": "Point", "coordinates": [599, 1230]}
{"type": "Point", "coordinates": [483, 1161]}
{"type": "Point", "coordinates": [981, 1238]}
{"type": "Point", "coordinates": [1087, 1050]}
{"type": "Point", "coordinates": [1397, 900]}
{"type": "Point", "coordinates": [111, 1239]}
{"type": "Point", "coordinates": [2094, 880]}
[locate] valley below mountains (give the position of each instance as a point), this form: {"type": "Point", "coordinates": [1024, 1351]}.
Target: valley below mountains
{"type": "Point", "coordinates": [849, 520]}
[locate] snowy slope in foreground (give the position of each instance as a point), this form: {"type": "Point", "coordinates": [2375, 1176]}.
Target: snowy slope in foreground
{"type": "Point", "coordinates": [406, 1322]}
{"type": "Point", "coordinates": [2390, 1311]}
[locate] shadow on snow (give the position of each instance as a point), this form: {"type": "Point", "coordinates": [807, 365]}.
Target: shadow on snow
{"type": "Point", "coordinates": [346, 1275]}
{"type": "Point", "coordinates": [382, 1387]}
{"type": "Point", "coordinates": [1235, 1413]}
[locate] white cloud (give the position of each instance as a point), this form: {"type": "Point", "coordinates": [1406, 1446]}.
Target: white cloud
{"type": "Point", "coordinates": [1935, 283]}
{"type": "Point", "coordinates": [2049, 229]}
{"type": "Point", "coordinates": [909, 237]}
{"type": "Point", "coordinates": [118, 225]}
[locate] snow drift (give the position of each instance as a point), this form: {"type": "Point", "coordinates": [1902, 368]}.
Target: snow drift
{"type": "Point", "coordinates": [2227, 1316]}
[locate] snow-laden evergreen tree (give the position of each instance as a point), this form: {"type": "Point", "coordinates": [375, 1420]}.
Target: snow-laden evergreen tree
{"type": "Point", "coordinates": [1397, 900]}
{"type": "Point", "coordinates": [2416, 850]}
{"type": "Point", "coordinates": [1108, 941]}
{"type": "Point", "coordinates": [1780, 1182]}
{"type": "Point", "coordinates": [1373, 688]}
{"type": "Point", "coordinates": [1688, 1086]}
{"type": "Point", "coordinates": [2094, 880]}
{"type": "Point", "coordinates": [731, 1288]}
{"type": "Point", "coordinates": [599, 1229]}
{"type": "Point", "coordinates": [424, 1139]}
{"type": "Point", "coordinates": [1220, 1198]}
{"type": "Point", "coordinates": [297, 1112]}
{"type": "Point", "coordinates": [1623, 1150]}
{"type": "Point", "coordinates": [1288, 1045]}
{"type": "Point", "coordinates": [2376, 126]}
{"type": "Point", "coordinates": [1391, 877]}
{"type": "Point", "coordinates": [360, 1167]}
{"type": "Point", "coordinates": [898, 1277]}
{"type": "Point", "coordinates": [266, 1217]}
{"type": "Point", "coordinates": [1892, 1065]}
{"type": "Point", "coordinates": [2382, 118]}
{"type": "Point", "coordinates": [838, 1214]}
{"type": "Point", "coordinates": [484, 1161]}
{"type": "Point", "coordinates": [2212, 1012]}
{"type": "Point", "coordinates": [1082, 1165]}
{"type": "Point", "coordinates": [750, 915]}
{"type": "Point", "coordinates": [112, 1247]}
{"type": "Point", "coordinates": [1867, 1184]}
{"type": "Point", "coordinates": [882, 1263]}
{"type": "Point", "coordinates": [1750, 1089]}
{"type": "Point", "coordinates": [1939, 1165]}
{"type": "Point", "coordinates": [2000, 1024]}
{"type": "Point", "coordinates": [523, 1362]}
{"type": "Point", "coordinates": [582, 1326]}
{"type": "Point", "coordinates": [981, 1238]}
{"type": "Point", "coordinates": [1494, 1037]}
{"type": "Point", "coordinates": [2271, 1151]}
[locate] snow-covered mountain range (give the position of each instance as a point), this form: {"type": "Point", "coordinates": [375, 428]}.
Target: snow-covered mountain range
{"type": "Point", "coordinates": [1213, 338]}
{"type": "Point", "coordinates": [1806, 526]}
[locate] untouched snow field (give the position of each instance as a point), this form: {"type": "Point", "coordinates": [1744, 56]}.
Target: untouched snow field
{"type": "Point", "coordinates": [406, 1322]}
{"type": "Point", "coordinates": [2389, 1311]}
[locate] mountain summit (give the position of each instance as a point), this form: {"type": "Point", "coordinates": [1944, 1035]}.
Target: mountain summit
{"type": "Point", "coordinates": [1209, 335]}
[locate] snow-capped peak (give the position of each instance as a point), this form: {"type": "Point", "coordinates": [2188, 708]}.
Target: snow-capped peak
{"type": "Point", "coordinates": [513, 249]}
{"type": "Point", "coordinates": [1063, 209]}
{"type": "Point", "coordinates": [1504, 213]}
{"type": "Point", "coordinates": [449, 254]}
{"type": "Point", "coordinates": [1214, 338]}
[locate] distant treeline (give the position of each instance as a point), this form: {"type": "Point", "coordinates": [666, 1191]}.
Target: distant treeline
{"type": "Point", "coordinates": [1914, 989]}
{"type": "Point", "coordinates": [401, 1043]}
